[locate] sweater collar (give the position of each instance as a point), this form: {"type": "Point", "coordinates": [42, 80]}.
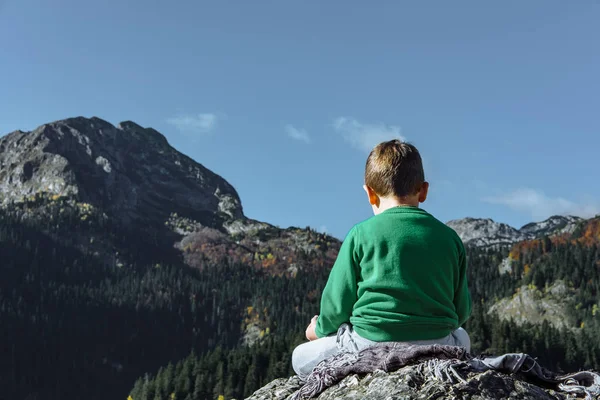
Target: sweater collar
{"type": "Point", "coordinates": [405, 209]}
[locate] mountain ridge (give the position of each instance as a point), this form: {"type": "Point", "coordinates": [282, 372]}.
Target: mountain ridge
{"type": "Point", "coordinates": [484, 232]}
{"type": "Point", "coordinates": [134, 173]}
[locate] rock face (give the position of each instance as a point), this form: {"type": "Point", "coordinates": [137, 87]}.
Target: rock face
{"type": "Point", "coordinates": [129, 171]}
{"type": "Point", "coordinates": [409, 383]}
{"type": "Point", "coordinates": [529, 304]}
{"type": "Point", "coordinates": [486, 232]}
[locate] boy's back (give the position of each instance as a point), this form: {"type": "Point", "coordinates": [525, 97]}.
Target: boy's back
{"type": "Point", "coordinates": [409, 285]}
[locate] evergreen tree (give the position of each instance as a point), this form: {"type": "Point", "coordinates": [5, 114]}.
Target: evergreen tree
{"type": "Point", "coordinates": [251, 381]}
{"type": "Point", "coordinates": [219, 386]}
{"type": "Point", "coordinates": [199, 389]}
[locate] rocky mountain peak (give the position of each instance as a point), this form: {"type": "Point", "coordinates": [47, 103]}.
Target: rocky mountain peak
{"type": "Point", "coordinates": [487, 232]}
{"type": "Point", "coordinates": [127, 170]}
{"type": "Point", "coordinates": [152, 136]}
{"type": "Point", "coordinates": [556, 223]}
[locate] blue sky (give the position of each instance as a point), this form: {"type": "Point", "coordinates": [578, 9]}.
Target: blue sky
{"type": "Point", "coordinates": [284, 98]}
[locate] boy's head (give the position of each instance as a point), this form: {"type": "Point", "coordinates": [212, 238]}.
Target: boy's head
{"type": "Point", "coordinates": [394, 176]}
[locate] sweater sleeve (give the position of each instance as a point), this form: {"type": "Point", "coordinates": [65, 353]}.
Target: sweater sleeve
{"type": "Point", "coordinates": [340, 292]}
{"type": "Point", "coordinates": [462, 296]}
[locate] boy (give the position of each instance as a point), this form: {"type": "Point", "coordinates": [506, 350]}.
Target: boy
{"type": "Point", "coordinates": [400, 276]}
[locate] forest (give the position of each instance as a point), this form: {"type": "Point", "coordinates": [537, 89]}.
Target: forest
{"type": "Point", "coordinates": [148, 326]}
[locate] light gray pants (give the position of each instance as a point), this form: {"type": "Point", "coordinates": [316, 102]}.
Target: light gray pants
{"type": "Point", "coordinates": [307, 355]}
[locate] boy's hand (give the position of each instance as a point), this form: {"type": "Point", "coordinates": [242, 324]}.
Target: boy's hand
{"type": "Point", "coordinates": [310, 330]}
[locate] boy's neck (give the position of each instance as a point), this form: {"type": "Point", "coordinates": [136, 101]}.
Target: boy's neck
{"type": "Point", "coordinates": [385, 203]}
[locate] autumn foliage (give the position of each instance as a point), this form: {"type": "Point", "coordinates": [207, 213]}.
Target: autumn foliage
{"type": "Point", "coordinates": [587, 234]}
{"type": "Point", "coordinates": [280, 252]}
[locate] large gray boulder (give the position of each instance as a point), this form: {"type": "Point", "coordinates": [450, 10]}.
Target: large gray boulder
{"type": "Point", "coordinates": [430, 372]}
{"type": "Point", "coordinates": [413, 382]}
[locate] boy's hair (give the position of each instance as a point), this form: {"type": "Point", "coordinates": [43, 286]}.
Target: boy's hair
{"type": "Point", "coordinates": [394, 168]}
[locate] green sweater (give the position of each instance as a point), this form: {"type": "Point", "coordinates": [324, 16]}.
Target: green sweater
{"type": "Point", "coordinates": [399, 276]}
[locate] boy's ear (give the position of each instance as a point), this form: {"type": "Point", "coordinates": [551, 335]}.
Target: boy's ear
{"type": "Point", "coordinates": [423, 192]}
{"type": "Point", "coordinates": [373, 197]}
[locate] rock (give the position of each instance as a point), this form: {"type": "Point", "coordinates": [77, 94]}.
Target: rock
{"type": "Point", "coordinates": [245, 226]}
{"type": "Point", "coordinates": [129, 171]}
{"type": "Point", "coordinates": [281, 388]}
{"type": "Point", "coordinates": [505, 266]}
{"type": "Point", "coordinates": [409, 383]}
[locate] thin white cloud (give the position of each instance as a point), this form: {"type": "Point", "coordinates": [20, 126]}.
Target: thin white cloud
{"type": "Point", "coordinates": [365, 136]}
{"type": "Point", "coordinates": [199, 123]}
{"type": "Point", "coordinates": [540, 206]}
{"type": "Point", "coordinates": [297, 134]}
{"type": "Point", "coordinates": [323, 229]}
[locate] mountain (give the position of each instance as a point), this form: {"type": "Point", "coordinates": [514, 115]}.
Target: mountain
{"type": "Point", "coordinates": [486, 232]}
{"type": "Point", "coordinates": [112, 242]}
{"type": "Point", "coordinates": [137, 180]}
{"type": "Point", "coordinates": [128, 171]}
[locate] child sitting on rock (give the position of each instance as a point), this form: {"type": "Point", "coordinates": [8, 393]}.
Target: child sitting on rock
{"type": "Point", "coordinates": [400, 276]}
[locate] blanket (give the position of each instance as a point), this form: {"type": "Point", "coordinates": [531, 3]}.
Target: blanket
{"type": "Point", "coordinates": [447, 363]}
